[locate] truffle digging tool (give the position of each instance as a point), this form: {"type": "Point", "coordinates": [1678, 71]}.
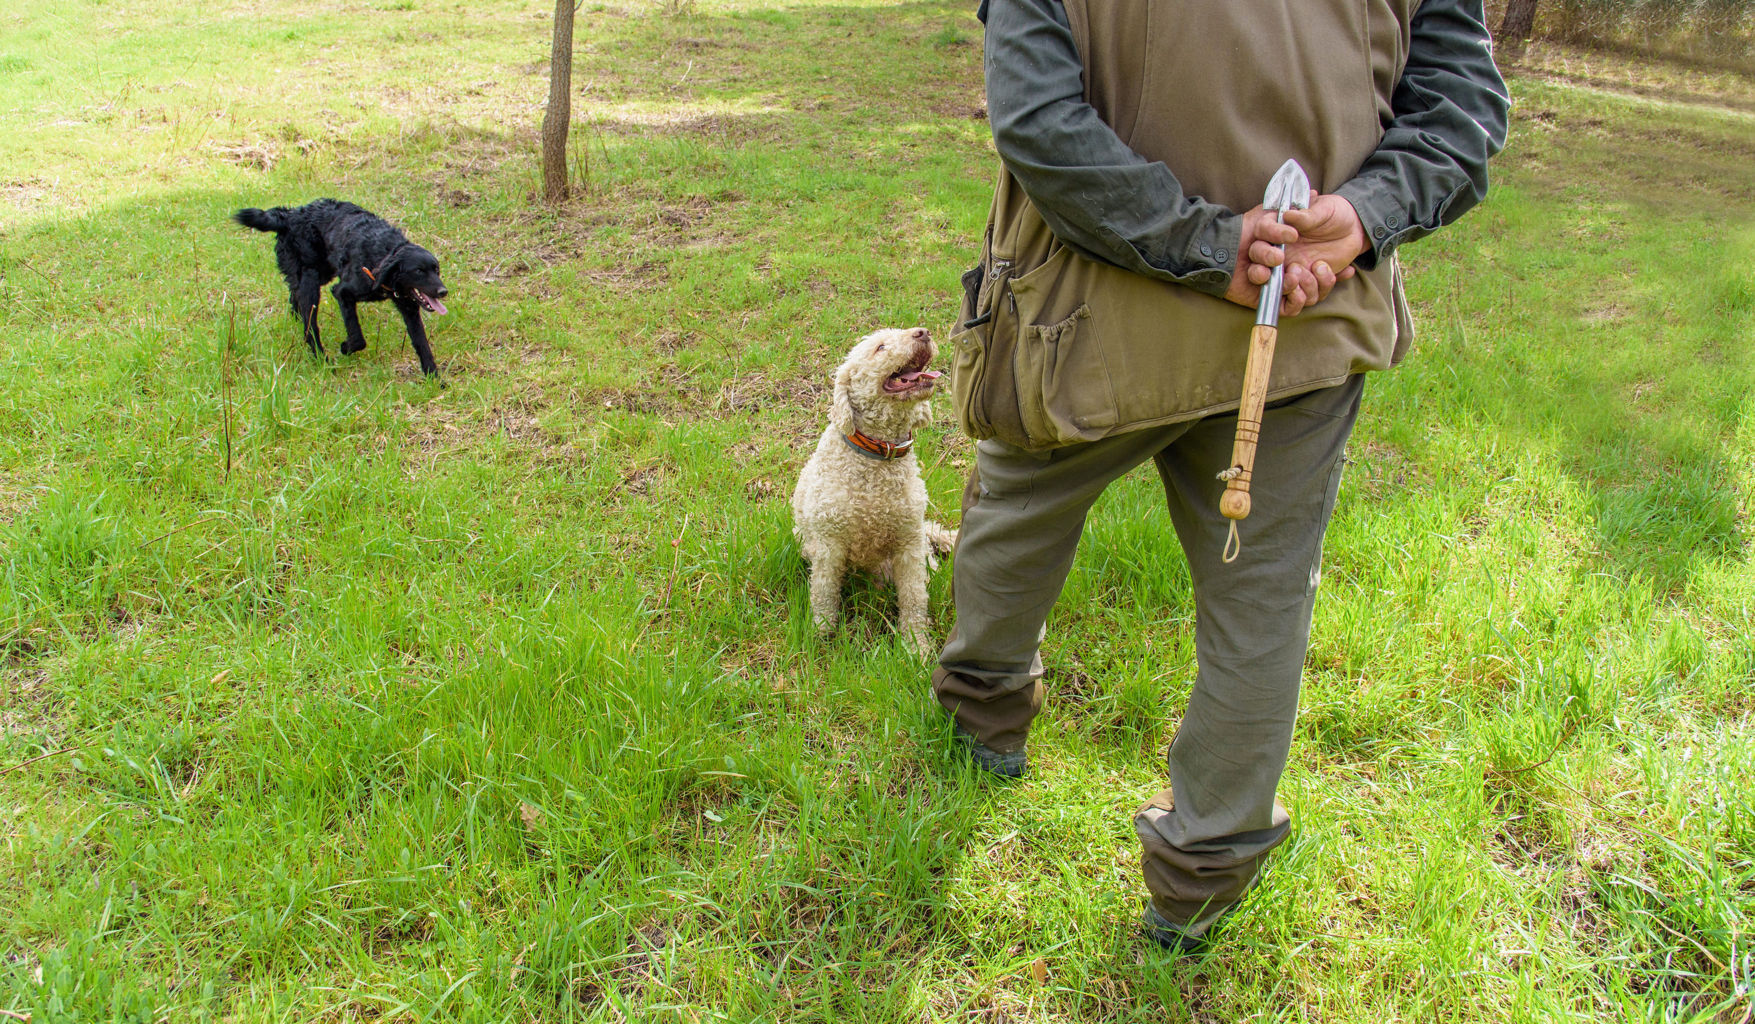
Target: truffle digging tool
{"type": "Point", "coordinates": [1288, 190]}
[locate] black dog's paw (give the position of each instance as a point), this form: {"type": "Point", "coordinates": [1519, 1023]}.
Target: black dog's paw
{"type": "Point", "coordinates": [348, 348]}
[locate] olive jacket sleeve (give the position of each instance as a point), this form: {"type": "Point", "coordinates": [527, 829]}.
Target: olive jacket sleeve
{"type": "Point", "coordinates": [1449, 116]}
{"type": "Point", "coordinates": [1103, 199]}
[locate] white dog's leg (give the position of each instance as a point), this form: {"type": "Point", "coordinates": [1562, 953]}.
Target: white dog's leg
{"type": "Point", "coordinates": [827, 565]}
{"type": "Point", "coordinates": [909, 565]}
{"type": "Point", "coordinates": [939, 541]}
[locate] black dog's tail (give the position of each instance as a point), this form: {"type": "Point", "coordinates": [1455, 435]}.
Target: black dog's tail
{"type": "Point", "coordinates": [263, 220]}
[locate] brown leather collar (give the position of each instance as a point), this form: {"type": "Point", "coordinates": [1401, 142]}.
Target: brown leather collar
{"type": "Point", "coordinates": [877, 449]}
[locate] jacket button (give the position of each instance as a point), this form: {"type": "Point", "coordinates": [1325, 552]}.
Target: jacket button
{"type": "Point", "coordinates": [1206, 250]}
{"type": "Point", "coordinates": [1394, 221]}
{"type": "Point", "coordinates": [1221, 255]}
{"type": "Point", "coordinates": [1378, 232]}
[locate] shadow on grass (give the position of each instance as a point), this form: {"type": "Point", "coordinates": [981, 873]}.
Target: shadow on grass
{"type": "Point", "coordinates": [1597, 316]}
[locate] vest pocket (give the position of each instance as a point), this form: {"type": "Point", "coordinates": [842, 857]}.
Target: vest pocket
{"type": "Point", "coordinates": [968, 373]}
{"type": "Point", "coordinates": [1076, 397]}
{"type": "Point", "coordinates": [1062, 380]}
{"type": "Point", "coordinates": [984, 338]}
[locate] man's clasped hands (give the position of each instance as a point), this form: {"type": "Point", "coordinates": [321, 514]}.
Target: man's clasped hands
{"type": "Point", "coordinates": [1321, 244]}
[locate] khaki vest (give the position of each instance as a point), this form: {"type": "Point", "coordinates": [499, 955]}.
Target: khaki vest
{"type": "Point", "coordinates": [1222, 93]}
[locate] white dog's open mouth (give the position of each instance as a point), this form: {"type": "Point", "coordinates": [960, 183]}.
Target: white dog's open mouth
{"type": "Point", "coordinates": [913, 377]}
{"type": "Point", "coordinates": [427, 302]}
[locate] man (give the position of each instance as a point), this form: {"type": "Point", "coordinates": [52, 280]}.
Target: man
{"type": "Point", "coordinates": [1107, 325]}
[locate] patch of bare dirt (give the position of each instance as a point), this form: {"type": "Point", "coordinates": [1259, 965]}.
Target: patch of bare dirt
{"type": "Point", "coordinates": [24, 192]}
{"type": "Point", "coordinates": [390, 934]}
{"type": "Point", "coordinates": [753, 392]}
{"type": "Point", "coordinates": [670, 342]}
{"type": "Point", "coordinates": [639, 966]}
{"type": "Point", "coordinates": [687, 224]}
{"type": "Point", "coordinates": [260, 155]}
{"type": "Point", "coordinates": [1530, 843]}
{"type": "Point", "coordinates": [1072, 685]}
{"type": "Point", "coordinates": [673, 392]}
{"type": "Point", "coordinates": [29, 705]}
{"type": "Point", "coordinates": [760, 489]}
{"type": "Point", "coordinates": [641, 277]}
{"type": "Point", "coordinates": [518, 258]}
{"type": "Point", "coordinates": [437, 433]}
{"type": "Point", "coordinates": [15, 498]}
{"type": "Point", "coordinates": [1383, 469]}
{"type": "Point", "coordinates": [457, 198]}
{"type": "Point", "coordinates": [639, 481]}
{"type": "Point", "coordinates": [439, 437]}
{"type": "Point", "coordinates": [519, 422]}
{"type": "Point", "coordinates": [720, 128]}
{"type": "Point", "coordinates": [960, 109]}
{"type": "Point", "coordinates": [1638, 76]}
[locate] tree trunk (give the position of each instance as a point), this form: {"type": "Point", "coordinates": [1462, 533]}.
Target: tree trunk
{"type": "Point", "coordinates": [560, 106]}
{"type": "Point", "coordinates": [1516, 27]}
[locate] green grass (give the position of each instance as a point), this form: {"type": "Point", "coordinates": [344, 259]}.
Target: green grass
{"type": "Point", "coordinates": [499, 701]}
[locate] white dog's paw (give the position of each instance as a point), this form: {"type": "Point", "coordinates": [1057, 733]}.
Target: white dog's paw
{"type": "Point", "coordinates": [940, 540]}
{"type": "Point", "coordinates": [920, 639]}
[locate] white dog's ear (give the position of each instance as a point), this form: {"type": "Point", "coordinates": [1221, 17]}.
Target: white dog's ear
{"type": "Point", "coordinates": [841, 405]}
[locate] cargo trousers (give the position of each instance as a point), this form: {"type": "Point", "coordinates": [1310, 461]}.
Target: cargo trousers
{"type": "Point", "coordinates": [1023, 512]}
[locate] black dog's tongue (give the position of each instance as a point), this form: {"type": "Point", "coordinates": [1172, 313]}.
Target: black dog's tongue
{"type": "Point", "coordinates": [431, 304]}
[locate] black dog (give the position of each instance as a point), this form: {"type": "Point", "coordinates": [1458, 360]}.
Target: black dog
{"type": "Point", "coordinates": [326, 239]}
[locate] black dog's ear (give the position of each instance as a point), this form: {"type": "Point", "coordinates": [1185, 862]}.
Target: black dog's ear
{"type": "Point", "coordinates": [388, 270]}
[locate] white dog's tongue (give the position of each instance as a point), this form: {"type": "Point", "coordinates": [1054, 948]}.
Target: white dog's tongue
{"type": "Point", "coordinates": [914, 375]}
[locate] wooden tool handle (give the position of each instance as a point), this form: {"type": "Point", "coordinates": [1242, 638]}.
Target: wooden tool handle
{"type": "Point", "coordinates": [1235, 502]}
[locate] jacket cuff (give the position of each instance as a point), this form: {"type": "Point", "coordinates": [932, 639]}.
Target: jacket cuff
{"type": "Point", "coordinates": [1210, 259]}
{"type": "Point", "coordinates": [1382, 213]}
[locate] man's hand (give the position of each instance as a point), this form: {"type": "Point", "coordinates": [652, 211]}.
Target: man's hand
{"type": "Point", "coordinates": [1330, 238]}
{"type": "Point", "coordinates": [1259, 252]}
{"type": "Point", "coordinates": [1318, 241]}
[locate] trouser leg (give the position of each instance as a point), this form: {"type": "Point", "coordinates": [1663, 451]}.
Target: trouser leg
{"type": "Point", "coordinates": [1023, 513]}
{"type": "Point", "coordinates": [1205, 837]}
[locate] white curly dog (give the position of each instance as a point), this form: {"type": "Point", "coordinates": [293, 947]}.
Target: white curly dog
{"type": "Point", "coordinates": [860, 502]}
